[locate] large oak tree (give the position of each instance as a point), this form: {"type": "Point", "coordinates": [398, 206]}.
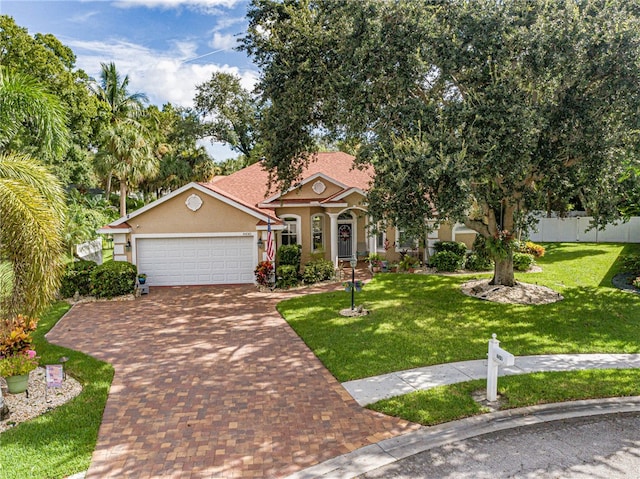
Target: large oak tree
{"type": "Point", "coordinates": [470, 110]}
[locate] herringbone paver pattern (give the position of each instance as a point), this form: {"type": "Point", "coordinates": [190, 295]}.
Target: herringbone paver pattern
{"type": "Point", "coordinates": [212, 383]}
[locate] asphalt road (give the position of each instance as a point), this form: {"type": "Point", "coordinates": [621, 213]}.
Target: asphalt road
{"type": "Point", "coordinates": [606, 447]}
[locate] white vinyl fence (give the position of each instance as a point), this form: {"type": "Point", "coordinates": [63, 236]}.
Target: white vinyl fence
{"type": "Point", "coordinates": [572, 230]}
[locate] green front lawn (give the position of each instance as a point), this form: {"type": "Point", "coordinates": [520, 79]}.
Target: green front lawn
{"type": "Point", "coordinates": [60, 442]}
{"type": "Point", "coordinates": [420, 320]}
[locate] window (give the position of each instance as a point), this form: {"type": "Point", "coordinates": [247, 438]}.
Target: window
{"type": "Point", "coordinates": [317, 232]}
{"type": "Point", "coordinates": [290, 231]}
{"type": "Point", "coordinates": [404, 241]}
{"type": "Point", "coordinates": [380, 241]}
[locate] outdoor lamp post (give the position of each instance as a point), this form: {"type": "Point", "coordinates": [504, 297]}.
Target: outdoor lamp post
{"type": "Point", "coordinates": [353, 262]}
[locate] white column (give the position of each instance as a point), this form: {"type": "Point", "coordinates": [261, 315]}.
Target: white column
{"type": "Point", "coordinates": [333, 231]}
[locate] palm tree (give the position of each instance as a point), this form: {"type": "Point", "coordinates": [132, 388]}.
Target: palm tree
{"type": "Point", "coordinates": [130, 157]}
{"type": "Point", "coordinates": [121, 106]}
{"type": "Point", "coordinates": [32, 203]}
{"type": "Point", "coordinates": [113, 92]}
{"type": "Point", "coordinates": [31, 199]}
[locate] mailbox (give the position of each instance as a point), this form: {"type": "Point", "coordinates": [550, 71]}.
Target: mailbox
{"type": "Point", "coordinates": [502, 357]}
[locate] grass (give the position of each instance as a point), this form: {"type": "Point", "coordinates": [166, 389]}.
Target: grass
{"type": "Point", "coordinates": [448, 403]}
{"type": "Point", "coordinates": [60, 442]}
{"type": "Point", "coordinates": [420, 320]}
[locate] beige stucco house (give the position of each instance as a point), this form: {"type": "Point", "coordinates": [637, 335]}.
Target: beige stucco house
{"type": "Point", "coordinates": [215, 233]}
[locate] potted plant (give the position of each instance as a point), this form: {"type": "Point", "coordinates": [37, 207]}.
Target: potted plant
{"type": "Point", "coordinates": [16, 368]}
{"type": "Point", "coordinates": [142, 278]}
{"type": "Point", "coordinates": [408, 263]}
{"type": "Point", "coordinates": [375, 262]}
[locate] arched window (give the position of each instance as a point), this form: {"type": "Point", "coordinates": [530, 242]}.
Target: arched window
{"type": "Point", "coordinates": [317, 232]}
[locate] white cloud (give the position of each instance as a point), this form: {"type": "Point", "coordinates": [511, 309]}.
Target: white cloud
{"type": "Point", "coordinates": [202, 4]}
{"type": "Point", "coordinates": [164, 76]}
{"type": "Point", "coordinates": [224, 41]}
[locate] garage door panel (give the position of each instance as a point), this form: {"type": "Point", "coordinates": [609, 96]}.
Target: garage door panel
{"type": "Point", "coordinates": [191, 261]}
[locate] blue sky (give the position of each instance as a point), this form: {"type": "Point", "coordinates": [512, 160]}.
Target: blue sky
{"type": "Point", "coordinates": [167, 47]}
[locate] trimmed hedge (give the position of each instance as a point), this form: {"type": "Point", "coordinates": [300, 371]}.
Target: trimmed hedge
{"type": "Point", "coordinates": [318, 270]}
{"type": "Point", "coordinates": [287, 276]}
{"type": "Point", "coordinates": [447, 261]}
{"type": "Point", "coordinates": [77, 277]}
{"type": "Point", "coordinates": [114, 278]}
{"type": "Point", "coordinates": [289, 255]}
{"type": "Point", "coordinates": [458, 248]}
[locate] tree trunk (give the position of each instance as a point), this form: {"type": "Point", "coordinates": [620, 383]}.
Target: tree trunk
{"type": "Point", "coordinates": [108, 188]}
{"type": "Point", "coordinates": [123, 197]}
{"type": "Point", "coordinates": [503, 272]}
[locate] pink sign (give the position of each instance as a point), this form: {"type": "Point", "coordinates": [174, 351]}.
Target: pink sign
{"type": "Point", "coordinates": [54, 375]}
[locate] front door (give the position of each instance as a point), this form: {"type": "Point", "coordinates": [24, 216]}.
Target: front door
{"type": "Point", "coordinates": [345, 249]}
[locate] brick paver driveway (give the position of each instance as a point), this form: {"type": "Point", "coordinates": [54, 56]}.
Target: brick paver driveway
{"type": "Point", "coordinates": [211, 382]}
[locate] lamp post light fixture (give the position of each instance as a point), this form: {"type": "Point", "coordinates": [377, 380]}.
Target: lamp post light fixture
{"type": "Point", "coordinates": [353, 262]}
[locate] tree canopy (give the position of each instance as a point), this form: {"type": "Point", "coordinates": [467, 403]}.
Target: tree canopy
{"type": "Point", "coordinates": [473, 111]}
{"type": "Point", "coordinates": [230, 112]}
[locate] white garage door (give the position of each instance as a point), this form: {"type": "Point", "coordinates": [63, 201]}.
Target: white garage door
{"type": "Point", "coordinates": [189, 261]}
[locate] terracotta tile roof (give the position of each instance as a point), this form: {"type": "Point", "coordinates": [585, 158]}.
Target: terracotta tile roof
{"type": "Point", "coordinates": [249, 185]}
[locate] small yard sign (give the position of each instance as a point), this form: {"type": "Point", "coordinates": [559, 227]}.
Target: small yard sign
{"type": "Point", "coordinates": [54, 375]}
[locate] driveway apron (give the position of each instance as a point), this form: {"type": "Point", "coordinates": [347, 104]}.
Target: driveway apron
{"type": "Point", "coordinates": [210, 382]}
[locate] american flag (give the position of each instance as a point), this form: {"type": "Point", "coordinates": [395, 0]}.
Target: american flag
{"type": "Point", "coordinates": [271, 249]}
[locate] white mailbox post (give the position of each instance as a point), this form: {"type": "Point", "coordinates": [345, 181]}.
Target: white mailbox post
{"type": "Point", "coordinates": [495, 358]}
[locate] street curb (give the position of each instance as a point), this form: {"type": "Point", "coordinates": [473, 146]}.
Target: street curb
{"type": "Point", "coordinates": [385, 452]}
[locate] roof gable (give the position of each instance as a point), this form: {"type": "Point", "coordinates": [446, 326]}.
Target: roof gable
{"type": "Point", "coordinates": [249, 185]}
{"type": "Point", "coordinates": [262, 215]}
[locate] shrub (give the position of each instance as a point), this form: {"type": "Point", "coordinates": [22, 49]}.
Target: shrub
{"type": "Point", "coordinates": [532, 248]}
{"type": "Point", "coordinates": [477, 262]}
{"type": "Point", "coordinates": [77, 277]}
{"type": "Point", "coordinates": [114, 278]}
{"type": "Point", "coordinates": [287, 276]}
{"type": "Point", "coordinates": [447, 261]}
{"type": "Point", "coordinates": [522, 261]}
{"type": "Point", "coordinates": [318, 270]}
{"type": "Point", "coordinates": [263, 273]}
{"type": "Point", "coordinates": [289, 255]}
{"type": "Point", "coordinates": [408, 262]}
{"type": "Point", "coordinates": [459, 249]}
{"type": "Point", "coordinates": [16, 335]}
{"type": "Point", "coordinates": [631, 263]}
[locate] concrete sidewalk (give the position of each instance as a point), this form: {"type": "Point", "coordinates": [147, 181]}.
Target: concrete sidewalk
{"type": "Point", "coordinates": [369, 390]}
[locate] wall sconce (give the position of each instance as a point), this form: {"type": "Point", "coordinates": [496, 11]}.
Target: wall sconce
{"type": "Point", "coordinates": [127, 246]}
{"type": "Point", "coordinates": [260, 243]}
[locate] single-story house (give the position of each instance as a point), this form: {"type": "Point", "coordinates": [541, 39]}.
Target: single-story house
{"type": "Point", "coordinates": [215, 232]}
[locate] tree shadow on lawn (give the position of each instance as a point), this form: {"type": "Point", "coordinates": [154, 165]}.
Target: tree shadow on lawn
{"type": "Point", "coordinates": [616, 266]}
{"type": "Point", "coordinates": [570, 251]}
